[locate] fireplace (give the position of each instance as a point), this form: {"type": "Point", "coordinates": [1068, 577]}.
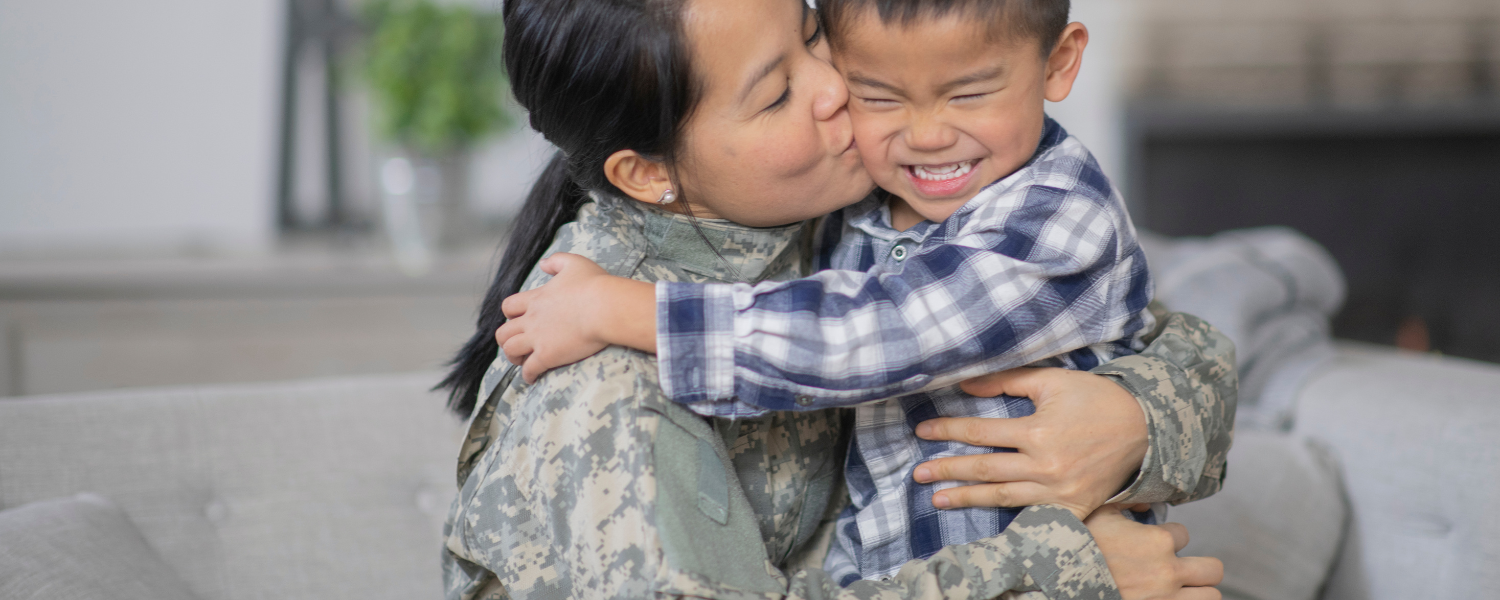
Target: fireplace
{"type": "Point", "coordinates": [1407, 201]}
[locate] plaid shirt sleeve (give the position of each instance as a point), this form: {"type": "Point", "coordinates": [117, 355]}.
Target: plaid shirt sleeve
{"type": "Point", "coordinates": [1037, 271]}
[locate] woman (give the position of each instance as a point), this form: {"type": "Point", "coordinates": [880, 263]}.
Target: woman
{"type": "Point", "coordinates": [589, 483]}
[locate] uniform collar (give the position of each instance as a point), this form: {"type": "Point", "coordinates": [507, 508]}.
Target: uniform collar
{"type": "Point", "coordinates": [744, 253]}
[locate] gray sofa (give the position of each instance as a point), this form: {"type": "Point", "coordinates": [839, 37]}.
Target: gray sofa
{"type": "Point", "coordinates": [337, 488]}
{"type": "Point", "coordinates": [317, 489]}
{"type": "Point", "coordinates": [1385, 488]}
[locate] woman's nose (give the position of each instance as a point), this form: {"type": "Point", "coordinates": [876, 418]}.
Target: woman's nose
{"type": "Point", "coordinates": [832, 95]}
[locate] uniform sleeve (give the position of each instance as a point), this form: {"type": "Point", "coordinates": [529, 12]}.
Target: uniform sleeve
{"type": "Point", "coordinates": [1187, 385]}
{"type": "Point", "coordinates": [1053, 276]}
{"type": "Point", "coordinates": [1045, 553]}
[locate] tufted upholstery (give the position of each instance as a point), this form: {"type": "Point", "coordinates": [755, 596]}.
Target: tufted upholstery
{"type": "Point", "coordinates": [1417, 438]}
{"type": "Point", "coordinates": [1385, 489]}
{"type": "Point", "coordinates": [319, 489]}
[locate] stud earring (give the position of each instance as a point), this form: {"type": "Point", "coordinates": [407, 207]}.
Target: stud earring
{"type": "Point", "coordinates": [666, 198]}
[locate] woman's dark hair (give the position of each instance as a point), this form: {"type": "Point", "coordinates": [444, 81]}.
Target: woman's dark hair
{"type": "Point", "coordinates": [597, 77]}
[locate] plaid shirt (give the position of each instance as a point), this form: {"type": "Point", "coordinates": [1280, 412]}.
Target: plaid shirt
{"type": "Point", "coordinates": [1041, 268]}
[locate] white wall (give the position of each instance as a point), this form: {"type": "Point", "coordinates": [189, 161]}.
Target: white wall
{"type": "Point", "coordinates": [140, 125]}
{"type": "Point", "coordinates": [1095, 111]}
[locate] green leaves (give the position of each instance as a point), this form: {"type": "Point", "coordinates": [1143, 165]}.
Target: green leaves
{"type": "Point", "coordinates": [436, 73]}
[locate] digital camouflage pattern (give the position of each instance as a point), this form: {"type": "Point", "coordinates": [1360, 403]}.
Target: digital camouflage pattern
{"type": "Point", "coordinates": [1187, 384]}
{"type": "Point", "coordinates": [591, 484]}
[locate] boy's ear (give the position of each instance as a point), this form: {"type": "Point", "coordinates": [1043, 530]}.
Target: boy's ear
{"type": "Point", "coordinates": [1062, 66]}
{"type": "Point", "coordinates": [639, 177]}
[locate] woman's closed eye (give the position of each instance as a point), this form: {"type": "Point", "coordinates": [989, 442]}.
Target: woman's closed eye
{"type": "Point", "coordinates": [781, 101]}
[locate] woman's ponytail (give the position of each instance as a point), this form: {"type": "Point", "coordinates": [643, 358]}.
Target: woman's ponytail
{"type": "Point", "coordinates": [554, 200]}
{"type": "Point", "coordinates": [595, 77]}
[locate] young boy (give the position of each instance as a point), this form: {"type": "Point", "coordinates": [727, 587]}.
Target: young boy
{"type": "Point", "coordinates": [998, 243]}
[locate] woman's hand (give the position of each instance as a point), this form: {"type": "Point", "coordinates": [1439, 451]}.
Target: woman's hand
{"type": "Point", "coordinates": [1083, 445]}
{"type": "Point", "coordinates": [1143, 559]}
{"type": "Point", "coordinates": [581, 311]}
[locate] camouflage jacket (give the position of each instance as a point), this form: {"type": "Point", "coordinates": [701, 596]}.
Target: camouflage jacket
{"type": "Point", "coordinates": [592, 484]}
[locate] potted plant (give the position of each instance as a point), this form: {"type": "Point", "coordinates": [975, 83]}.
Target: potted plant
{"type": "Point", "coordinates": [438, 85]}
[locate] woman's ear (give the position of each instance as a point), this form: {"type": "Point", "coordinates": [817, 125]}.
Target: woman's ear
{"type": "Point", "coordinates": [639, 177]}
{"type": "Point", "coordinates": [1065, 61]}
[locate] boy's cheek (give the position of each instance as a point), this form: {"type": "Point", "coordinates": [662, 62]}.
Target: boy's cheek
{"type": "Point", "coordinates": [875, 155]}
{"type": "Point", "coordinates": [873, 135]}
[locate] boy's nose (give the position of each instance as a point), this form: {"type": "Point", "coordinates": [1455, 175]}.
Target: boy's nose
{"type": "Point", "coordinates": [926, 133]}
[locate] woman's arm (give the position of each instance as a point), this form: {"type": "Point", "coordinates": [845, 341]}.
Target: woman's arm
{"type": "Point", "coordinates": [1161, 420]}
{"type": "Point", "coordinates": [1044, 554]}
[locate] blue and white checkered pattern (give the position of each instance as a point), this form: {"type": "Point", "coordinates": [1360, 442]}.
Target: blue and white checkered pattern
{"type": "Point", "coordinates": [1042, 263]}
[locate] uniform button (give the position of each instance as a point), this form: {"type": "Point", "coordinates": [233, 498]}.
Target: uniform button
{"type": "Point", "coordinates": [804, 400]}
{"type": "Point", "coordinates": [898, 253]}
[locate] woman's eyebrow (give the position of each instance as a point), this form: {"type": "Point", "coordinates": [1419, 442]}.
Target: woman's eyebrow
{"type": "Point", "coordinates": [769, 68]}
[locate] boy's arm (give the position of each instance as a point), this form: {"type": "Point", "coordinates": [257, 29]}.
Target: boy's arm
{"type": "Point", "coordinates": [1187, 384]}
{"type": "Point", "coordinates": [1042, 283]}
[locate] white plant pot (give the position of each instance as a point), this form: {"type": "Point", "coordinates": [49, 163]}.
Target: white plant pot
{"type": "Point", "coordinates": [425, 206]}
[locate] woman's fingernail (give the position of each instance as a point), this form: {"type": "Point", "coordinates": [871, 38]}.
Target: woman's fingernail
{"type": "Point", "coordinates": [924, 430]}
{"type": "Point", "coordinates": [941, 501]}
{"type": "Point", "coordinates": [922, 475]}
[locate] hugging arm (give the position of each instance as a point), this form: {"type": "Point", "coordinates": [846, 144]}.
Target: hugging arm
{"type": "Point", "coordinates": [1045, 550]}
{"type": "Point", "coordinates": [985, 300]}
{"type": "Point", "coordinates": [1184, 384]}
{"type": "Point", "coordinates": [1187, 384]}
{"type": "Point", "coordinates": [553, 511]}
{"type": "Point", "coordinates": [968, 302]}
{"type": "Point", "coordinates": [1157, 424]}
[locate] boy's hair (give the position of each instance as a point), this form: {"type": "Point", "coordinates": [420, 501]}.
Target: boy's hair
{"type": "Point", "coordinates": [1042, 20]}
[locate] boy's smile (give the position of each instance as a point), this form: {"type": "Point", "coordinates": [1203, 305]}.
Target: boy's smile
{"type": "Point", "coordinates": [941, 180]}
{"type": "Point", "coordinates": [941, 108]}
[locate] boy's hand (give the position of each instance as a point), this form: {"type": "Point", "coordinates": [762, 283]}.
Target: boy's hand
{"type": "Point", "coordinates": [1085, 441]}
{"type": "Point", "coordinates": [1143, 559]}
{"type": "Point", "coordinates": [581, 311]}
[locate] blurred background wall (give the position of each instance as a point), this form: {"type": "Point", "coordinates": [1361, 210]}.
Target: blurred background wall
{"type": "Point", "coordinates": [142, 241]}
{"type": "Point", "coordinates": [136, 125]}
{"type": "Point", "coordinates": [1372, 126]}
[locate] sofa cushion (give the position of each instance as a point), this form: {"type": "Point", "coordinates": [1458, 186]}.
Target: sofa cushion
{"type": "Point", "coordinates": [80, 548]}
{"type": "Point", "coordinates": [306, 490]}
{"type": "Point", "coordinates": [1277, 523]}
{"type": "Point", "coordinates": [1415, 437]}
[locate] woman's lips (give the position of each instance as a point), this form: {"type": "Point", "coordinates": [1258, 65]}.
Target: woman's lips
{"type": "Point", "coordinates": [941, 180]}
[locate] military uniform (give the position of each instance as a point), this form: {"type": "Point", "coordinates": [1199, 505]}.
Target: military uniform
{"type": "Point", "coordinates": [592, 484]}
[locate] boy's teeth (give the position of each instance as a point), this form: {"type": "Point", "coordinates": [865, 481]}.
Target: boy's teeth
{"type": "Point", "coordinates": [944, 172]}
